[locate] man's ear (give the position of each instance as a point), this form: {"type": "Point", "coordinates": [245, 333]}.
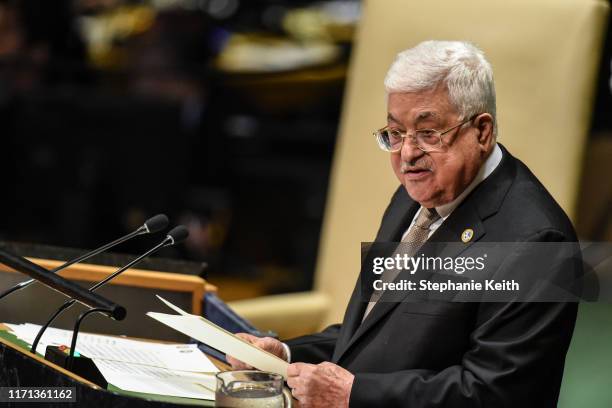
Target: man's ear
{"type": "Point", "coordinates": [484, 124]}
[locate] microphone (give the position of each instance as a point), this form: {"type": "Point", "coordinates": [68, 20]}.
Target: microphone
{"type": "Point", "coordinates": [60, 284]}
{"type": "Point", "coordinates": [175, 236]}
{"type": "Point", "coordinates": [153, 224]}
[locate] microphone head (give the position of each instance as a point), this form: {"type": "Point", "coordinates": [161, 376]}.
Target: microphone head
{"type": "Point", "coordinates": [156, 223]}
{"type": "Point", "coordinates": [178, 234]}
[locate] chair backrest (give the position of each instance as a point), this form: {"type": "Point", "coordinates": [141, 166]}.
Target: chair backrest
{"type": "Point", "coordinates": [544, 55]}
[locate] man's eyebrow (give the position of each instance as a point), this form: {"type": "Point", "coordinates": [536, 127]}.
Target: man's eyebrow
{"type": "Point", "coordinates": [391, 118]}
{"type": "Point", "coordinates": [426, 115]}
{"type": "Point", "coordinates": [420, 117]}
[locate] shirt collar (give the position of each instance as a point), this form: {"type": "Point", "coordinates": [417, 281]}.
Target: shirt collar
{"type": "Point", "coordinates": [485, 171]}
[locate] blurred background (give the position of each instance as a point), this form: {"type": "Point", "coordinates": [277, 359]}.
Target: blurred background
{"type": "Point", "coordinates": [225, 115]}
{"type": "Point", "coordinates": [220, 113]}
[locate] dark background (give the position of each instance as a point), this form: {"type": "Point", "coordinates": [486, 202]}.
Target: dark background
{"type": "Point", "coordinates": [112, 111]}
{"type": "Point", "coordinates": [94, 142]}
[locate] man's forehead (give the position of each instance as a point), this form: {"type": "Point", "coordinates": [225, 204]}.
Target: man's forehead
{"type": "Point", "coordinates": [418, 106]}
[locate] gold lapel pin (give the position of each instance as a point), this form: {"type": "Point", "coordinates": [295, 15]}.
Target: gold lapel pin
{"type": "Point", "coordinates": [466, 235]}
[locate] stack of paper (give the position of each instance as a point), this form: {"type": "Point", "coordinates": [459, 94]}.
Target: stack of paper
{"type": "Point", "coordinates": [180, 370]}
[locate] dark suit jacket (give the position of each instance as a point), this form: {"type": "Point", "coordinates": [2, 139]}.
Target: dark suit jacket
{"type": "Point", "coordinates": [452, 354]}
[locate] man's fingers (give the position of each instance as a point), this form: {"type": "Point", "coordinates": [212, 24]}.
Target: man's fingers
{"type": "Point", "coordinates": [292, 382]}
{"type": "Point", "coordinates": [297, 393]}
{"type": "Point", "coordinates": [294, 369]}
{"type": "Point", "coordinates": [237, 364]}
{"type": "Point", "coordinates": [268, 344]}
{"type": "Point", "coordinates": [234, 362]}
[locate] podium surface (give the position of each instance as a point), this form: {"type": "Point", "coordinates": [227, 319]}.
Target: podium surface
{"type": "Point", "coordinates": [21, 368]}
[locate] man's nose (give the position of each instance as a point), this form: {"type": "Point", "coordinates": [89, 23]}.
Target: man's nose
{"type": "Point", "coordinates": [410, 151]}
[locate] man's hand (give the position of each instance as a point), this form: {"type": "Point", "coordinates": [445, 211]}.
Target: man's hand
{"type": "Point", "coordinates": [268, 344]}
{"type": "Point", "coordinates": [323, 385]}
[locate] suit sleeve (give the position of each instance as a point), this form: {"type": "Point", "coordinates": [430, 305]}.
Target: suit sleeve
{"type": "Point", "coordinates": [314, 348]}
{"type": "Point", "coordinates": [515, 359]}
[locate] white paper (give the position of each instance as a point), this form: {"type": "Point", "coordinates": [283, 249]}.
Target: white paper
{"type": "Point", "coordinates": [57, 337]}
{"type": "Point", "coordinates": [184, 357]}
{"type": "Point", "coordinates": [174, 307]}
{"type": "Point", "coordinates": [216, 337]}
{"type": "Point", "coordinates": [179, 370]}
{"type": "Point", "coordinates": [154, 380]}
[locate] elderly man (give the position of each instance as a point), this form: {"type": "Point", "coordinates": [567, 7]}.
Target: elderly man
{"type": "Point", "coordinates": [457, 184]}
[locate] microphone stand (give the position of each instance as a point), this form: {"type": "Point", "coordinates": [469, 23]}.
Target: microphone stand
{"type": "Point", "coordinates": [157, 222]}
{"type": "Point", "coordinates": [75, 333]}
{"type": "Point", "coordinates": [60, 284]}
{"type": "Point", "coordinates": [175, 236]}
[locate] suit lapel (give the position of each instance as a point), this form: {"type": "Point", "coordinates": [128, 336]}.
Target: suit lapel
{"type": "Point", "coordinates": [395, 221]}
{"type": "Point", "coordinates": [398, 217]}
{"type": "Point", "coordinates": [351, 321]}
{"type": "Point", "coordinates": [448, 232]}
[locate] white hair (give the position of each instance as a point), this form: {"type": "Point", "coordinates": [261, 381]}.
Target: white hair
{"type": "Point", "coordinates": [459, 65]}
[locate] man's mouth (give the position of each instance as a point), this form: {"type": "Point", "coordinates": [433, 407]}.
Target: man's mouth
{"type": "Point", "coordinates": [415, 173]}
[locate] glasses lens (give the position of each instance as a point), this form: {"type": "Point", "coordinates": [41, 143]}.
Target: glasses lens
{"type": "Point", "coordinates": [428, 139]}
{"type": "Point", "coordinates": [389, 140]}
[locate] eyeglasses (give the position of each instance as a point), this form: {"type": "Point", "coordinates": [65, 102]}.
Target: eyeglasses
{"type": "Point", "coordinates": [428, 140]}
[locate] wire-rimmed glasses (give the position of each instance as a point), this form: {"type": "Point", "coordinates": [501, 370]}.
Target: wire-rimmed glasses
{"type": "Point", "coordinates": [428, 140]}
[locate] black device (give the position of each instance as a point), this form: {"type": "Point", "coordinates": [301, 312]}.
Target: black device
{"type": "Point", "coordinates": [81, 365]}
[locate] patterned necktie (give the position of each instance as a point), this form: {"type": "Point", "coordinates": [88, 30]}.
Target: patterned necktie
{"type": "Point", "coordinates": [414, 239]}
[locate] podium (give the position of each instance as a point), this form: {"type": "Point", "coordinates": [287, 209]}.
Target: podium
{"type": "Point", "coordinates": [135, 289]}
{"type": "Point", "coordinates": [20, 368]}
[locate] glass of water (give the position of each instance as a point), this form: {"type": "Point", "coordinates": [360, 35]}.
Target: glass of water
{"type": "Point", "coordinates": [249, 388]}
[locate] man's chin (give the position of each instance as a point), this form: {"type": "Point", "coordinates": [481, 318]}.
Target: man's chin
{"type": "Point", "coordinates": [420, 195]}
